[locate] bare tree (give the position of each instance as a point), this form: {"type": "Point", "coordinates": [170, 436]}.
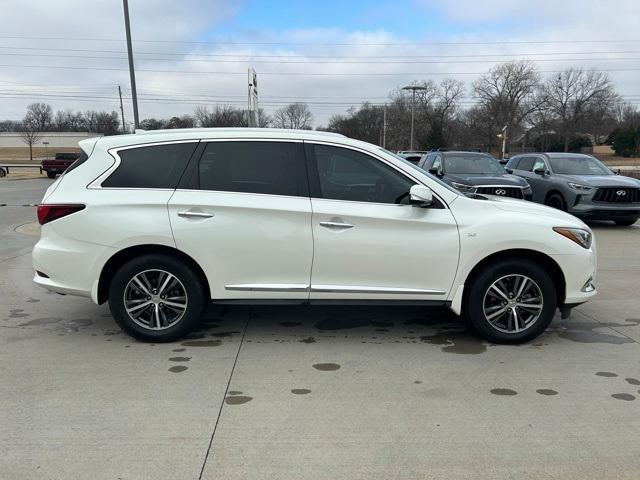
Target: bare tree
{"type": "Point", "coordinates": [572, 93]}
{"type": "Point", "coordinates": [220, 116]}
{"type": "Point", "coordinates": [295, 115]}
{"type": "Point", "coordinates": [39, 116]}
{"type": "Point", "coordinates": [30, 135]}
{"type": "Point", "coordinates": [505, 94]}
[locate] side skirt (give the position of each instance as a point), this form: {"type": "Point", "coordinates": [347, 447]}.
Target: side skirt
{"type": "Point", "coordinates": [363, 302]}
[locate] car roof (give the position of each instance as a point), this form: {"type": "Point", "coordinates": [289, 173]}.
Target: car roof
{"type": "Point", "coordinates": [178, 134]}
{"type": "Point", "coordinates": [554, 154]}
{"type": "Point", "coordinates": [458, 152]}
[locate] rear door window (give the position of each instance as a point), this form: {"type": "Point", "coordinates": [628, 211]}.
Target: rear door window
{"type": "Point", "coordinates": [271, 168]}
{"type": "Point", "coordinates": [156, 166]}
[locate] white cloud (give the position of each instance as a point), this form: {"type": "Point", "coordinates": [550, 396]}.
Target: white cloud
{"type": "Point", "coordinates": [161, 93]}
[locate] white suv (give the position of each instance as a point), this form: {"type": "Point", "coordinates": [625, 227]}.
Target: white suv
{"type": "Point", "coordinates": [161, 223]}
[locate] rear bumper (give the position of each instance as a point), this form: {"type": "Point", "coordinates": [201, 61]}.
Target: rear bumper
{"type": "Point", "coordinates": [71, 266]}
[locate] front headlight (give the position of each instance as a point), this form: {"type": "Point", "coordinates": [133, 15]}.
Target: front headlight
{"type": "Point", "coordinates": [464, 187]}
{"type": "Point", "coordinates": [580, 188]}
{"type": "Point", "coordinates": [580, 236]}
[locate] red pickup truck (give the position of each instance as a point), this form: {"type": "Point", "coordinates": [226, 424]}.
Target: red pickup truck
{"type": "Point", "coordinates": [61, 162]}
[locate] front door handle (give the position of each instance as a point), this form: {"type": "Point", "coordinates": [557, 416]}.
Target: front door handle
{"type": "Point", "coordinates": [336, 225]}
{"type": "Point", "coordinates": [189, 214]}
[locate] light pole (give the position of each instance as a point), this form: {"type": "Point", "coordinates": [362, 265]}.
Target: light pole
{"type": "Point", "coordinates": [413, 89]}
{"type": "Point", "coordinates": [503, 136]}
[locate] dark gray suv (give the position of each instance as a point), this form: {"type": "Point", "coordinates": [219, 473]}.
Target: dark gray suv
{"type": "Point", "coordinates": [579, 184]}
{"type": "Point", "coordinates": [475, 173]}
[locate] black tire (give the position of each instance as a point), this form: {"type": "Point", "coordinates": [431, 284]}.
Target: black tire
{"type": "Point", "coordinates": [556, 200]}
{"type": "Point", "coordinates": [196, 300]}
{"type": "Point", "coordinates": [626, 222]}
{"type": "Point", "coordinates": [481, 282]}
{"type": "Point", "coordinates": [2, 172]}
{"type": "Point", "coordinates": [51, 174]}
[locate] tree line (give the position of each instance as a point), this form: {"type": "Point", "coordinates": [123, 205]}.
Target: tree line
{"type": "Point", "coordinates": [562, 112]}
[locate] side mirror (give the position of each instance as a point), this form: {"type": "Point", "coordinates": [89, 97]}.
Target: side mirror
{"type": "Point", "coordinates": [435, 171]}
{"type": "Point", "coordinates": [509, 171]}
{"type": "Point", "coordinates": [615, 172]}
{"type": "Point", "coordinates": [420, 196]}
{"type": "Point", "coordinates": [540, 171]}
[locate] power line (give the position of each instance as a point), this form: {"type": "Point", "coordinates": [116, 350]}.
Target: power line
{"type": "Point", "coordinates": [335, 62]}
{"type": "Point", "coordinates": [209, 72]}
{"type": "Point", "coordinates": [251, 56]}
{"type": "Point", "coordinates": [227, 42]}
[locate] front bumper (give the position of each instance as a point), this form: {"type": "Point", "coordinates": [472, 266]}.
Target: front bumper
{"type": "Point", "coordinates": [583, 206]}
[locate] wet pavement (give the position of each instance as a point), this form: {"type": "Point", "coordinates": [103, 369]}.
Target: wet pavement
{"type": "Point", "coordinates": [315, 392]}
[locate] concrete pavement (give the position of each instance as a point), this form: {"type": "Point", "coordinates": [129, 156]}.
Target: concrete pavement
{"type": "Point", "coordinates": [314, 393]}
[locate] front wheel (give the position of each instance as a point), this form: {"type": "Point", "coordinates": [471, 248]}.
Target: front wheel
{"type": "Point", "coordinates": [626, 222]}
{"type": "Point", "coordinates": [51, 174]}
{"type": "Point", "coordinates": [555, 200]}
{"type": "Point", "coordinates": [511, 301]}
{"type": "Point", "coordinates": [156, 298]}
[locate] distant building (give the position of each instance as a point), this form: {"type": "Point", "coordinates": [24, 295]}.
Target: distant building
{"type": "Point", "coordinates": [55, 139]}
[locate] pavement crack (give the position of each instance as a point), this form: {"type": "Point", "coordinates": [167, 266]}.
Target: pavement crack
{"type": "Point", "coordinates": [226, 390]}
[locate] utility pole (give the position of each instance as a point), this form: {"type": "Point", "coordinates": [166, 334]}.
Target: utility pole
{"type": "Point", "coordinates": [124, 128]}
{"type": "Point", "coordinates": [252, 106]}
{"type": "Point", "coordinates": [132, 75]}
{"type": "Point", "coordinates": [413, 89]}
{"type": "Point", "coordinates": [384, 126]}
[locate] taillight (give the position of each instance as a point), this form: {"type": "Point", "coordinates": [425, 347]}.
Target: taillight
{"type": "Point", "coordinates": [48, 213]}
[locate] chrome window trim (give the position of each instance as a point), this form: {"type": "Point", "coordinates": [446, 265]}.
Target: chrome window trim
{"type": "Point", "coordinates": [115, 153]}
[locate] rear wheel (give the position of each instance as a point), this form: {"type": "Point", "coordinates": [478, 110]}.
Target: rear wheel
{"type": "Point", "coordinates": [156, 298]}
{"type": "Point", "coordinates": [626, 222]}
{"type": "Point", "coordinates": [555, 200]}
{"type": "Point", "coordinates": [511, 301]}
{"type": "Point", "coordinates": [51, 174]}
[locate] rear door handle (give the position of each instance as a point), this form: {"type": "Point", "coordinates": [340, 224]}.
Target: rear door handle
{"type": "Point", "coordinates": [336, 225]}
{"type": "Point", "coordinates": [189, 214]}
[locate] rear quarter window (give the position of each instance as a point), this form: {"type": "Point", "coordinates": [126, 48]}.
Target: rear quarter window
{"type": "Point", "coordinates": [156, 166]}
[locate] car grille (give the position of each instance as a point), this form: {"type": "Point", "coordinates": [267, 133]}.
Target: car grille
{"type": "Point", "coordinates": [617, 195]}
{"type": "Point", "coordinates": [501, 191]}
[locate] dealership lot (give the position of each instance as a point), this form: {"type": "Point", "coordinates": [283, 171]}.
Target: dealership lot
{"type": "Point", "coordinates": [310, 392]}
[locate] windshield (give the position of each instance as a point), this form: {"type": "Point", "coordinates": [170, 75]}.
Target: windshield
{"type": "Point", "coordinates": [472, 164]}
{"type": "Point", "coordinates": [578, 166]}
{"type": "Point", "coordinates": [422, 171]}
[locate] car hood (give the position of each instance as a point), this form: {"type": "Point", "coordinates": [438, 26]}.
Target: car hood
{"type": "Point", "coordinates": [562, 219]}
{"type": "Point", "coordinates": [480, 179]}
{"type": "Point", "coordinates": [601, 180]}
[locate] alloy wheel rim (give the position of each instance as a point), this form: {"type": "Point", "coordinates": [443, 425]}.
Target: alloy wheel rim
{"type": "Point", "coordinates": [155, 299]}
{"type": "Point", "coordinates": [513, 303]}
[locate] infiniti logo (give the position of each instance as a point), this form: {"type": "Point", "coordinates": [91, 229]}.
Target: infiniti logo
{"type": "Point", "coordinates": [501, 191]}
{"type": "Point", "coordinates": [621, 193]}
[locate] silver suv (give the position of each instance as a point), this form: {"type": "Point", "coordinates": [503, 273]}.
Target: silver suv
{"type": "Point", "coordinates": [579, 184]}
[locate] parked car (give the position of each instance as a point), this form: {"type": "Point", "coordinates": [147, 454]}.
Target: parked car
{"type": "Point", "coordinates": [475, 173]}
{"type": "Point", "coordinates": [159, 224]}
{"type": "Point", "coordinates": [59, 164]}
{"type": "Point", "coordinates": [413, 157]}
{"type": "Point", "coordinates": [579, 184]}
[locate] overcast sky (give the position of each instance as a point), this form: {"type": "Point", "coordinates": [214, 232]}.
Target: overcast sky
{"type": "Point", "coordinates": [331, 54]}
